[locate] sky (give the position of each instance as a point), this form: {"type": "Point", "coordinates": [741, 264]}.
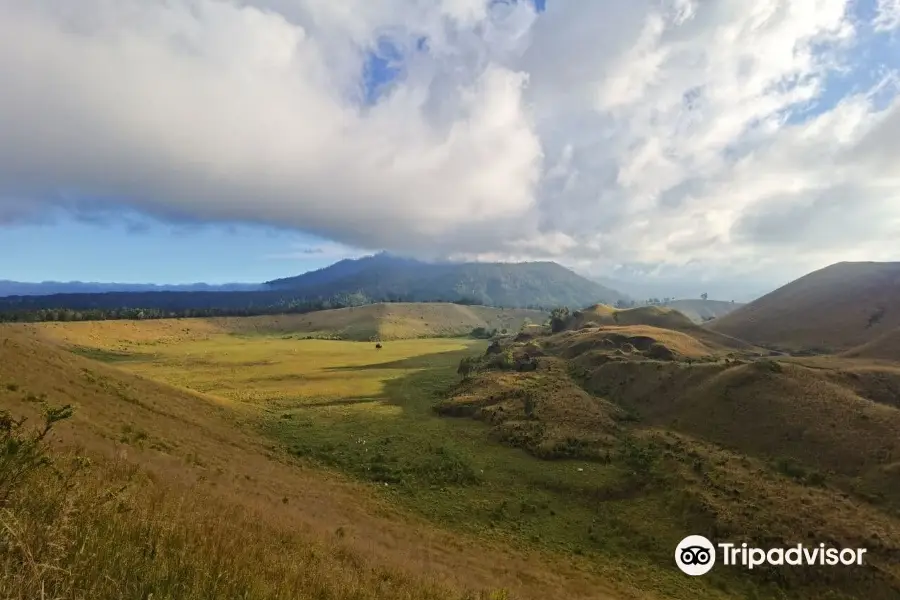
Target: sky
{"type": "Point", "coordinates": [176, 141]}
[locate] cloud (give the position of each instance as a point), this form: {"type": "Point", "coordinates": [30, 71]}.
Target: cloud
{"type": "Point", "coordinates": [322, 251]}
{"type": "Point", "coordinates": [696, 135]}
{"type": "Point", "coordinates": [887, 15]}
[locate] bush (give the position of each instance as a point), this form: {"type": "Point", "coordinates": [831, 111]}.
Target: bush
{"type": "Point", "coordinates": [23, 452]}
{"type": "Point", "coordinates": [640, 457]}
{"type": "Point", "coordinates": [502, 361]}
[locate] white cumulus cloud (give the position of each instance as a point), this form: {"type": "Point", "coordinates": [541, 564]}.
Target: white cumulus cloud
{"type": "Point", "coordinates": [724, 136]}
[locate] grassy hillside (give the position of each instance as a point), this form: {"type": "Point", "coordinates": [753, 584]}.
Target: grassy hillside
{"type": "Point", "coordinates": [831, 310]}
{"type": "Point", "coordinates": [412, 320]}
{"type": "Point", "coordinates": [715, 440]}
{"type": "Point", "coordinates": [655, 316]}
{"type": "Point", "coordinates": [383, 276]}
{"type": "Point", "coordinates": [186, 498]}
{"type": "Point", "coordinates": [363, 323]}
{"type": "Point", "coordinates": [885, 346]}
{"type": "Point", "coordinates": [661, 318]}
{"type": "Point", "coordinates": [701, 311]}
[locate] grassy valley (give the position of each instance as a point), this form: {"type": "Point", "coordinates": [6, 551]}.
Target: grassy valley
{"type": "Point", "coordinates": [562, 459]}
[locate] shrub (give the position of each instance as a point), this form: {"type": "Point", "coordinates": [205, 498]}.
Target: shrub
{"type": "Point", "coordinates": [24, 452]}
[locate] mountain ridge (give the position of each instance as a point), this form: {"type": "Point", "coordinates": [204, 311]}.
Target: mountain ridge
{"type": "Point", "coordinates": [350, 282]}
{"type": "Point", "coordinates": [519, 284]}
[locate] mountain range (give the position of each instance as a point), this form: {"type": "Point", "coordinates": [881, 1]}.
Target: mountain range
{"type": "Point", "coordinates": [47, 288]}
{"type": "Point", "coordinates": [377, 278]}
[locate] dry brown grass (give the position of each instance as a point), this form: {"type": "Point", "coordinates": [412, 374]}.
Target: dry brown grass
{"type": "Point", "coordinates": [654, 316]}
{"type": "Point", "coordinates": [641, 337]}
{"type": "Point", "coordinates": [201, 443]}
{"type": "Point", "coordinates": [831, 310]}
{"type": "Point", "coordinates": [884, 347]}
{"type": "Point", "coordinates": [107, 531]}
{"type": "Point", "coordinates": [727, 495]}
{"type": "Point", "coordinates": [762, 409]}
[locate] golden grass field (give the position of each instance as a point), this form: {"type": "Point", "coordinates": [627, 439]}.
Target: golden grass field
{"type": "Point", "coordinates": [388, 321]}
{"type": "Point", "coordinates": [576, 480]}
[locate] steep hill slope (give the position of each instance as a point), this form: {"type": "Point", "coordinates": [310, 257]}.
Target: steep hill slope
{"type": "Point", "coordinates": [383, 277]}
{"type": "Point", "coordinates": [700, 311]}
{"type": "Point", "coordinates": [830, 310]}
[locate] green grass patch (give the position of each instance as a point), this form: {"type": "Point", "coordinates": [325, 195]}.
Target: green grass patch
{"type": "Point", "coordinates": [108, 356]}
{"type": "Point", "coordinates": [369, 413]}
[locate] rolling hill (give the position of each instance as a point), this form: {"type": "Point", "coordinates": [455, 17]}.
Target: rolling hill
{"type": "Point", "coordinates": [389, 321]}
{"type": "Point", "coordinates": [719, 440]}
{"type": "Point", "coordinates": [384, 276]}
{"type": "Point", "coordinates": [831, 310]}
{"type": "Point", "coordinates": [660, 318]}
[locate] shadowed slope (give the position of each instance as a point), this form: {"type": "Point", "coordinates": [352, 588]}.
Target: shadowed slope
{"type": "Point", "coordinates": [884, 347]}
{"type": "Point", "coordinates": [833, 309]}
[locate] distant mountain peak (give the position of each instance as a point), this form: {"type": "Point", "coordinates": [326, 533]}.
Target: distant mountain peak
{"type": "Point", "coordinates": [384, 276]}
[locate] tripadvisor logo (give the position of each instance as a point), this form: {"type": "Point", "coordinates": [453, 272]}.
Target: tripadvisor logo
{"type": "Point", "coordinates": [696, 555]}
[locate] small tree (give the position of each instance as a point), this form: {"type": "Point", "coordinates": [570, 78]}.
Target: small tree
{"type": "Point", "coordinates": [559, 318]}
